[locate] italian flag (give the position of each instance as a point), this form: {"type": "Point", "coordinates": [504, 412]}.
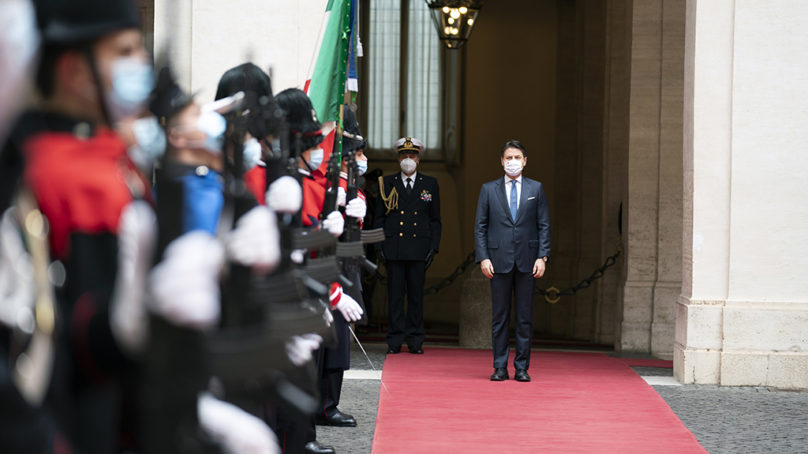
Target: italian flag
{"type": "Point", "coordinates": [328, 71]}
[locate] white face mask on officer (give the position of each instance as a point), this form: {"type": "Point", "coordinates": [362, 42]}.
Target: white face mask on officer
{"type": "Point", "coordinates": [408, 166]}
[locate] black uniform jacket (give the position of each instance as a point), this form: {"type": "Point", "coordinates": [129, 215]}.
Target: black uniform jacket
{"type": "Point", "coordinates": [413, 227]}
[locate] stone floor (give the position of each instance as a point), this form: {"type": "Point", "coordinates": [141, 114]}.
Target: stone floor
{"type": "Point", "coordinates": [724, 419]}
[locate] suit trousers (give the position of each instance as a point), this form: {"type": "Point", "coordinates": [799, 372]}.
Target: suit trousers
{"type": "Point", "coordinates": [409, 275]}
{"type": "Point", "coordinates": [521, 286]}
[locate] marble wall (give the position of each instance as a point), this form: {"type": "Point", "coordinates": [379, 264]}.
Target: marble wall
{"type": "Point", "coordinates": [742, 318]}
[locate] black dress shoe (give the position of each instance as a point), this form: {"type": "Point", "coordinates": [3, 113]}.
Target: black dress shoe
{"type": "Point", "coordinates": [314, 447]}
{"type": "Point", "coordinates": [392, 350]}
{"type": "Point", "coordinates": [521, 375]}
{"type": "Point", "coordinates": [417, 351]}
{"type": "Point", "coordinates": [338, 419]}
{"type": "Point", "coordinates": [500, 374]}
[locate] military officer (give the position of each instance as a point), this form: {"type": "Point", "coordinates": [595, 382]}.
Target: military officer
{"type": "Point", "coordinates": [409, 211]}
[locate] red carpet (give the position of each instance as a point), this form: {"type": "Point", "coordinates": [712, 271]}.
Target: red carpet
{"type": "Point", "coordinates": [443, 402]}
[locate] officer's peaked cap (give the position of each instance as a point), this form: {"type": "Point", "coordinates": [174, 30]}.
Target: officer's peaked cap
{"type": "Point", "coordinates": [408, 144]}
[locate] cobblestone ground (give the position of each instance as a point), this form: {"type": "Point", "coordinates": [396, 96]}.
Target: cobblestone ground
{"type": "Point", "coordinates": [730, 420]}
{"type": "Point", "coordinates": [725, 420]}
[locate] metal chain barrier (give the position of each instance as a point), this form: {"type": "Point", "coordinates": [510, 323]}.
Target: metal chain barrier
{"type": "Point", "coordinates": [552, 295]}
{"type": "Point", "coordinates": [445, 282]}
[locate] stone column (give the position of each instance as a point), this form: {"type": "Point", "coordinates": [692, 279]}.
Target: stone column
{"type": "Point", "coordinates": [668, 283]}
{"type": "Point", "coordinates": [653, 208]}
{"type": "Point", "coordinates": [742, 318]}
{"type": "Point", "coordinates": [475, 313]}
{"type": "Point", "coordinates": [641, 207]}
{"type": "Point", "coordinates": [615, 151]}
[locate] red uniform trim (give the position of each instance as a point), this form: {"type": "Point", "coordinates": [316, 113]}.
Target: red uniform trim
{"type": "Point", "coordinates": [256, 182]}
{"type": "Point", "coordinates": [313, 198]}
{"type": "Point", "coordinates": [81, 185]}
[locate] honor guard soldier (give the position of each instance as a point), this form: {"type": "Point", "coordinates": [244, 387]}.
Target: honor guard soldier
{"type": "Point", "coordinates": [409, 211]}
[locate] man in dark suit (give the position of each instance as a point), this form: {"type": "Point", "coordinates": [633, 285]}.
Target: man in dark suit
{"type": "Point", "coordinates": [408, 207]}
{"type": "Point", "coordinates": [512, 241]}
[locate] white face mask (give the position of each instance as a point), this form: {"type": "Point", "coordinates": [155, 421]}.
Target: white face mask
{"type": "Point", "coordinates": [150, 142]}
{"type": "Point", "coordinates": [316, 158]}
{"type": "Point", "coordinates": [214, 126]}
{"type": "Point", "coordinates": [361, 166]}
{"type": "Point", "coordinates": [408, 166]}
{"type": "Point", "coordinates": [132, 81]}
{"type": "Point", "coordinates": [513, 167]}
{"type": "Point", "coordinates": [252, 154]}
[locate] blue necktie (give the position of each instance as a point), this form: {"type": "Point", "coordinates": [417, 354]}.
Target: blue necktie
{"type": "Point", "coordinates": [513, 199]}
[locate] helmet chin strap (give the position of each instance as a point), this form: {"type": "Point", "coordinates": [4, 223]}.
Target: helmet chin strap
{"type": "Point", "coordinates": [87, 50]}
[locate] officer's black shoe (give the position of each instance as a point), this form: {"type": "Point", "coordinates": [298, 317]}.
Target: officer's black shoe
{"type": "Point", "coordinates": [500, 374]}
{"type": "Point", "coordinates": [392, 350]}
{"type": "Point", "coordinates": [338, 419]}
{"type": "Point", "coordinates": [314, 447]}
{"type": "Point", "coordinates": [416, 350]}
{"type": "Point", "coordinates": [521, 375]}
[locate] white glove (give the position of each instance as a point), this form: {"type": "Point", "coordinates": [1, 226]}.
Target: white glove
{"type": "Point", "coordinates": [300, 348]}
{"type": "Point", "coordinates": [137, 232]}
{"type": "Point", "coordinates": [334, 223]}
{"type": "Point", "coordinates": [185, 285]}
{"type": "Point", "coordinates": [285, 195]}
{"type": "Point", "coordinates": [348, 307]}
{"type": "Point", "coordinates": [341, 196]}
{"type": "Point", "coordinates": [255, 241]}
{"type": "Point", "coordinates": [298, 255]}
{"type": "Point", "coordinates": [234, 429]}
{"type": "Point", "coordinates": [357, 208]}
{"type": "Point", "coordinates": [17, 288]}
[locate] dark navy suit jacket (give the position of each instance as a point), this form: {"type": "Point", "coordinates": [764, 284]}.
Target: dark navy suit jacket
{"type": "Point", "coordinates": [508, 242]}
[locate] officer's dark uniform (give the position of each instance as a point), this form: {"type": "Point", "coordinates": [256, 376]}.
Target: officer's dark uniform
{"type": "Point", "coordinates": [412, 230]}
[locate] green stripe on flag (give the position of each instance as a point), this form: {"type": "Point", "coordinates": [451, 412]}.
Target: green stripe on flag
{"type": "Point", "coordinates": [328, 79]}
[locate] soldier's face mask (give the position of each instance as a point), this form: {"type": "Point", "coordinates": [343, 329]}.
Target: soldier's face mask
{"type": "Point", "coordinates": [361, 166]}
{"type": "Point", "coordinates": [132, 81]}
{"type": "Point", "coordinates": [211, 125]}
{"type": "Point", "coordinates": [150, 142]}
{"type": "Point", "coordinates": [315, 158]}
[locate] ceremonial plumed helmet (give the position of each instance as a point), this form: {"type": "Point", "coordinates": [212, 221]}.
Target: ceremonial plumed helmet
{"type": "Point", "coordinates": [351, 135]}
{"type": "Point", "coordinates": [257, 87]}
{"type": "Point", "coordinates": [74, 21]}
{"type": "Point", "coordinates": [300, 118]}
{"type": "Point", "coordinates": [408, 144]}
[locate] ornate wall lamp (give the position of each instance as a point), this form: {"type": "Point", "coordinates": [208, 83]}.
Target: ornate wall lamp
{"type": "Point", "coordinates": [454, 19]}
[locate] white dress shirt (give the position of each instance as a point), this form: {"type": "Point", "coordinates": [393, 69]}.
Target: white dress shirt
{"type": "Point", "coordinates": [412, 177]}
{"type": "Point", "coordinates": [508, 183]}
